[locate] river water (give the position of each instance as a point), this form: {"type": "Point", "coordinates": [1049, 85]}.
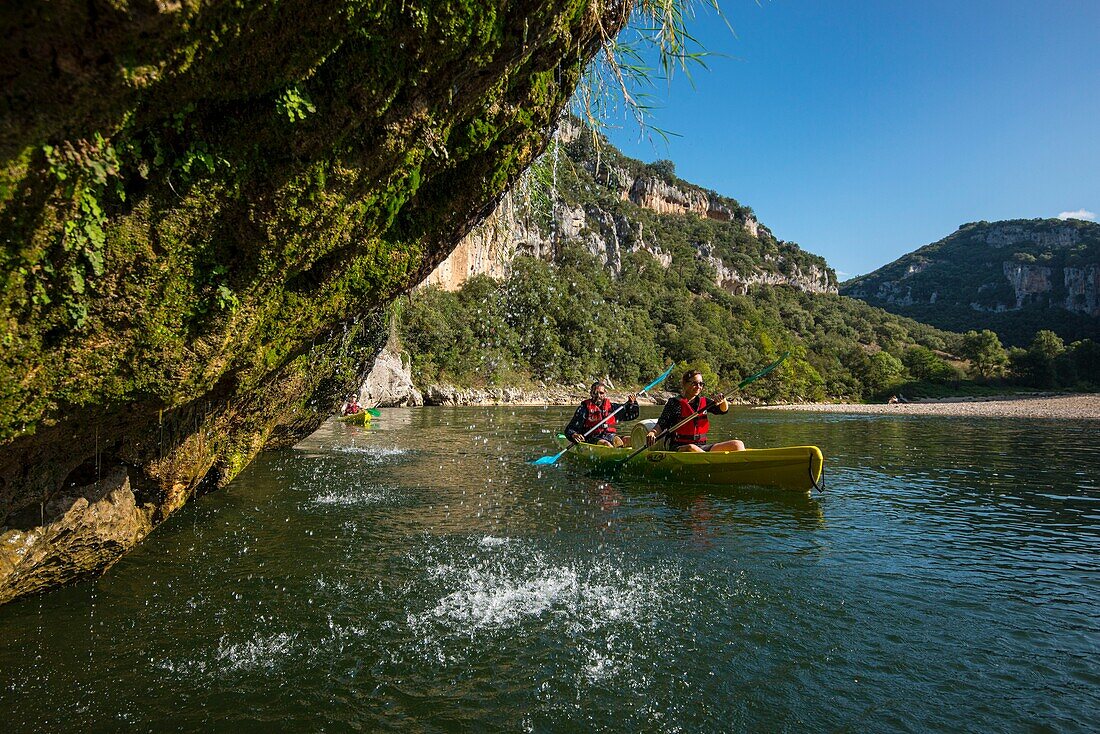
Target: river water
{"type": "Point", "coordinates": [419, 575]}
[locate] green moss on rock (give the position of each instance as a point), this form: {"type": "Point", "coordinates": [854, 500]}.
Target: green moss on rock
{"type": "Point", "coordinates": [206, 205]}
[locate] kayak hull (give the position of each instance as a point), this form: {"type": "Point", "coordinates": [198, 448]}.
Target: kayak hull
{"type": "Point", "coordinates": [356, 419]}
{"type": "Point", "coordinates": [796, 468]}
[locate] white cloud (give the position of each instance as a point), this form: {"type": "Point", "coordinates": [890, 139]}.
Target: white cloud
{"type": "Point", "coordinates": [1079, 214]}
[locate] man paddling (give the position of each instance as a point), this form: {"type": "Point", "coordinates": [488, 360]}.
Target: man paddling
{"type": "Point", "coordinates": [692, 436]}
{"type": "Point", "coordinates": [594, 411]}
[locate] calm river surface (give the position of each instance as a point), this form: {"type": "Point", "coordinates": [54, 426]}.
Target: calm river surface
{"type": "Point", "coordinates": [421, 576]}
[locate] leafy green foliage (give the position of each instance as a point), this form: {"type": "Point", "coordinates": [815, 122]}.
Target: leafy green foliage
{"type": "Point", "coordinates": [985, 352]}
{"type": "Point", "coordinates": [87, 173]}
{"type": "Point", "coordinates": [571, 321]}
{"type": "Point", "coordinates": [295, 104]}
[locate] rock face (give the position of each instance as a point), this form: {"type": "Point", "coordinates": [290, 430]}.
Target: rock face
{"type": "Point", "coordinates": [1029, 283]}
{"type": "Point", "coordinates": [205, 206]}
{"type": "Point", "coordinates": [558, 395]}
{"type": "Point", "coordinates": [1015, 277]}
{"type": "Point", "coordinates": [613, 205]}
{"type": "Point", "coordinates": [72, 536]}
{"type": "Point", "coordinates": [1083, 289]}
{"type": "Point", "coordinates": [389, 383]}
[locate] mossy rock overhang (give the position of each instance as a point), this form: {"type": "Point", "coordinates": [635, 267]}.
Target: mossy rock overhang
{"type": "Point", "coordinates": [205, 206]}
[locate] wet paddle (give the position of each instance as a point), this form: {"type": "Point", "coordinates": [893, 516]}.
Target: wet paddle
{"type": "Point", "coordinates": [546, 460]}
{"type": "Point", "coordinates": [748, 380]}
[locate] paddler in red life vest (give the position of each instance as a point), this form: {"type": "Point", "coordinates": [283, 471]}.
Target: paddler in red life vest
{"type": "Point", "coordinates": [352, 406]}
{"type": "Point", "coordinates": [593, 411]}
{"type": "Point", "coordinates": [692, 436]}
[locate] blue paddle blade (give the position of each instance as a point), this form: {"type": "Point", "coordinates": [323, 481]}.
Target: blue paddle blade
{"type": "Point", "coordinates": [660, 379]}
{"type": "Point", "coordinates": [547, 459]}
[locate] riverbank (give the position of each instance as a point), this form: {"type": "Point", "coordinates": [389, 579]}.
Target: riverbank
{"type": "Point", "coordinates": [1045, 406]}
{"type": "Point", "coordinates": [550, 395]}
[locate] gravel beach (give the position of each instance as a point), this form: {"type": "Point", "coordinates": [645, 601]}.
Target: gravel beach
{"type": "Point", "coordinates": [1056, 407]}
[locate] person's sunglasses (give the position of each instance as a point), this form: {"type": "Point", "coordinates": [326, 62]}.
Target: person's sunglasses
{"type": "Point", "coordinates": [697, 383]}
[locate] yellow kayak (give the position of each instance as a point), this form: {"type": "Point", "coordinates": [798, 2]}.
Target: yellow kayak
{"type": "Point", "coordinates": [356, 419]}
{"type": "Point", "coordinates": [790, 467]}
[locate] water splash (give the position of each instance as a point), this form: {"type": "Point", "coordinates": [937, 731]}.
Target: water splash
{"type": "Point", "coordinates": [509, 588]}
{"type": "Point", "coordinates": [261, 652]}
{"type": "Point", "coordinates": [358, 496]}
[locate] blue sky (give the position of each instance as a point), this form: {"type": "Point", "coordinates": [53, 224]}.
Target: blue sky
{"type": "Point", "coordinates": [865, 129]}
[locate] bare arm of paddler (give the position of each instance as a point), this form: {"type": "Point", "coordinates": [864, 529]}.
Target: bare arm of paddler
{"type": "Point", "coordinates": [720, 406]}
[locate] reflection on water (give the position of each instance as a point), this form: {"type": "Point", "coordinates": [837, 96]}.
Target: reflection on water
{"type": "Point", "coordinates": [420, 574]}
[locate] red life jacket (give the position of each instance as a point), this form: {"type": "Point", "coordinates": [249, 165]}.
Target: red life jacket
{"type": "Point", "coordinates": [694, 431]}
{"type": "Point", "coordinates": [596, 412]}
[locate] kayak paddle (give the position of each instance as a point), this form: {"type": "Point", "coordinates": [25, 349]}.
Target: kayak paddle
{"type": "Point", "coordinates": [748, 380]}
{"type": "Point", "coordinates": [546, 460]}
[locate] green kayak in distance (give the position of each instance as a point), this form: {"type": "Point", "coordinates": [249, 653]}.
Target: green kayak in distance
{"type": "Point", "coordinates": [796, 468]}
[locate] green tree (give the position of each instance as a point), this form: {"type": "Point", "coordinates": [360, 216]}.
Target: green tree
{"type": "Point", "coordinates": [985, 352]}
{"type": "Point", "coordinates": [885, 373]}
{"type": "Point", "coordinates": [924, 364]}
{"type": "Point", "coordinates": [1047, 345]}
{"type": "Point", "coordinates": [1040, 369]}
{"type": "Point", "coordinates": [1085, 355]}
{"type": "Point", "coordinates": [663, 168]}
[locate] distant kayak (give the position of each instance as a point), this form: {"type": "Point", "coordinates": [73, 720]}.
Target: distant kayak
{"type": "Point", "coordinates": [356, 419]}
{"type": "Point", "coordinates": [791, 467]}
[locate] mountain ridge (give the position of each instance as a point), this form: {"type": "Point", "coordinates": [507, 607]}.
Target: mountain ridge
{"type": "Point", "coordinates": [1013, 276]}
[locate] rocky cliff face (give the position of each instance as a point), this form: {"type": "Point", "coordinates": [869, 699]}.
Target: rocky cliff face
{"type": "Point", "coordinates": [1028, 274]}
{"type": "Point", "coordinates": [613, 205]}
{"type": "Point", "coordinates": [205, 205]}
{"type": "Point", "coordinates": [1082, 286]}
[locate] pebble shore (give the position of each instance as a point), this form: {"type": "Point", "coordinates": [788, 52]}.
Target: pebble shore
{"type": "Point", "coordinates": [1054, 407]}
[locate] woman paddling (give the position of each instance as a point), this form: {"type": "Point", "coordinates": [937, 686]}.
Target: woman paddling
{"type": "Point", "coordinates": [692, 436]}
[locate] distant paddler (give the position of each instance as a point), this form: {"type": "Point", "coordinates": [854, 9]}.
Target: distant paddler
{"type": "Point", "coordinates": [596, 410]}
{"type": "Point", "coordinates": [352, 406]}
{"type": "Point", "coordinates": [691, 435]}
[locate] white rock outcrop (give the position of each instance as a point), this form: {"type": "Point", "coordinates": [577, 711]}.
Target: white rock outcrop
{"type": "Point", "coordinates": [389, 384]}
{"type": "Point", "coordinates": [1083, 289]}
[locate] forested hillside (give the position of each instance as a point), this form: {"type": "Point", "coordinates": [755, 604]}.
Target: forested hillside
{"type": "Point", "coordinates": [605, 265]}
{"type": "Point", "coordinates": [571, 320]}
{"type": "Point", "coordinates": [617, 267]}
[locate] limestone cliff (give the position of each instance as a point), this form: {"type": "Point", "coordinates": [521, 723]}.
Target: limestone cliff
{"type": "Point", "coordinates": [1014, 276]}
{"type": "Point", "coordinates": [204, 205]}
{"type": "Point", "coordinates": [612, 205]}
